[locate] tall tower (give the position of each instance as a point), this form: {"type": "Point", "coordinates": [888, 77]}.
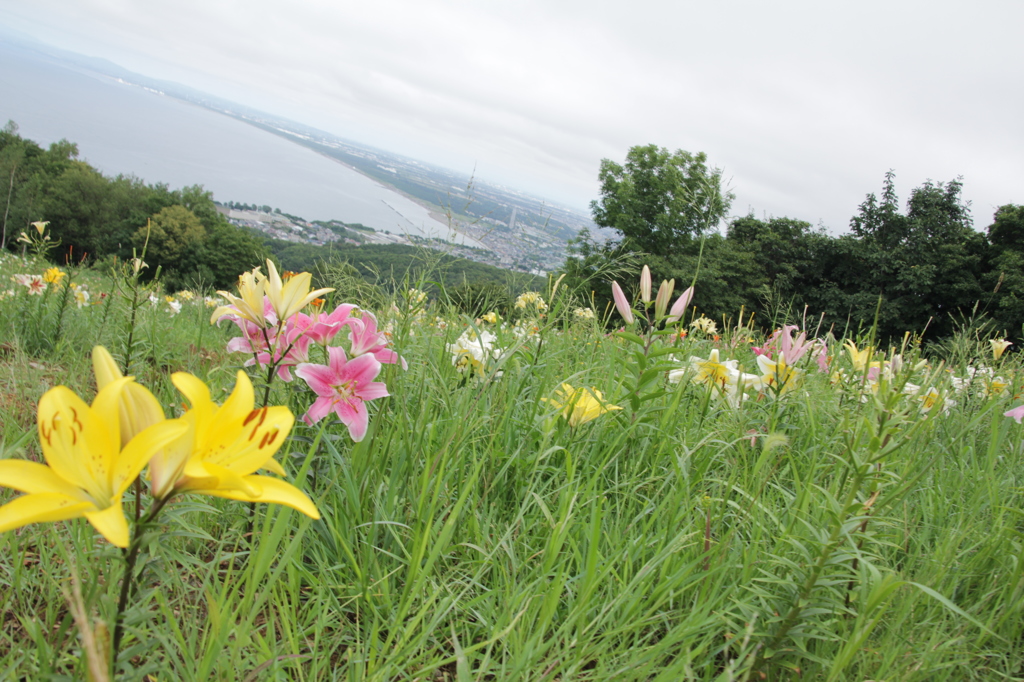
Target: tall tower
{"type": "Point", "coordinates": [512, 220]}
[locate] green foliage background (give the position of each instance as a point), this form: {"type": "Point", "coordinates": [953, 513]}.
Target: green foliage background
{"type": "Point", "coordinates": [923, 269]}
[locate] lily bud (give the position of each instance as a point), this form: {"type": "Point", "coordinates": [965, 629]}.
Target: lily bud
{"type": "Point", "coordinates": [621, 304]}
{"type": "Point", "coordinates": [137, 407]}
{"type": "Point", "coordinates": [680, 306]}
{"type": "Point", "coordinates": [645, 285]}
{"type": "Point", "coordinates": [662, 299]}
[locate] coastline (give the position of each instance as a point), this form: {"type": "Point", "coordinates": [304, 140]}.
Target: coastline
{"type": "Point", "coordinates": [433, 210]}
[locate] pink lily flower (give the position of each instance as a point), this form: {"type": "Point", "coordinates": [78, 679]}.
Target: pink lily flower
{"type": "Point", "coordinates": [343, 386]}
{"type": "Point", "coordinates": [792, 349]}
{"type": "Point", "coordinates": [253, 339]}
{"type": "Point", "coordinates": [366, 339]}
{"type": "Point", "coordinates": [822, 356]}
{"type": "Point", "coordinates": [294, 343]}
{"type": "Point", "coordinates": [621, 304]}
{"type": "Point", "coordinates": [324, 327]}
{"type": "Point", "coordinates": [679, 307]}
{"type": "Point", "coordinates": [1017, 413]}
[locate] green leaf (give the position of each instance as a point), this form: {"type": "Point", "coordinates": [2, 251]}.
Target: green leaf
{"type": "Point", "coordinates": [630, 336]}
{"type": "Point", "coordinates": [952, 607]}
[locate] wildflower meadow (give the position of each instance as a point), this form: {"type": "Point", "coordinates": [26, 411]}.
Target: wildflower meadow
{"type": "Point", "coordinates": [283, 482]}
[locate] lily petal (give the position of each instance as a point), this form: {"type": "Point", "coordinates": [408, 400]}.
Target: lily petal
{"type": "Point", "coordinates": [272, 490]}
{"type": "Point", "coordinates": [110, 522]}
{"type": "Point", "coordinates": [41, 507]}
{"type": "Point", "coordinates": [34, 478]}
{"type": "Point", "coordinates": [141, 449]}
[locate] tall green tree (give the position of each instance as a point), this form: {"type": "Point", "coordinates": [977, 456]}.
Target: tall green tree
{"type": "Point", "coordinates": [171, 235]}
{"type": "Point", "coordinates": [925, 264]}
{"type": "Point", "coordinates": [1004, 272]}
{"type": "Point", "coordinates": [660, 200]}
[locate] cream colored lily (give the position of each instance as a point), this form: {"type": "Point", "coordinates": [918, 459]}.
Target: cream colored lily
{"type": "Point", "coordinates": [249, 306]}
{"type": "Point", "coordinates": [999, 347]}
{"type": "Point", "coordinates": [88, 469]}
{"type": "Point", "coordinates": [645, 285]}
{"type": "Point", "coordinates": [290, 298]}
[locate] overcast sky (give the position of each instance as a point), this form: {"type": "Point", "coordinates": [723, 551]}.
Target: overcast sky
{"type": "Point", "coordinates": [805, 105]}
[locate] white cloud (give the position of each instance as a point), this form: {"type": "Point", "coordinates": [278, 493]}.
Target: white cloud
{"type": "Point", "coordinates": [805, 104]}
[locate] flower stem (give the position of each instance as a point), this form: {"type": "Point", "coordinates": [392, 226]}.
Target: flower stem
{"type": "Point", "coordinates": [131, 555]}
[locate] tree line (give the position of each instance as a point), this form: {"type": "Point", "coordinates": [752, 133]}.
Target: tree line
{"type": "Point", "coordinates": [921, 267]}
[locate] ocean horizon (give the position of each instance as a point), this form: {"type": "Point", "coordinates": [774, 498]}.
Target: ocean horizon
{"type": "Point", "coordinates": [123, 129]}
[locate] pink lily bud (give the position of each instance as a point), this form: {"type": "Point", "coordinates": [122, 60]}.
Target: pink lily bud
{"type": "Point", "coordinates": [621, 304]}
{"type": "Point", "coordinates": [680, 306]}
{"type": "Point", "coordinates": [645, 285]}
{"type": "Point", "coordinates": [661, 300]}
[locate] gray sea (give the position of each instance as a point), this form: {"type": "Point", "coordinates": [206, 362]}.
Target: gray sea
{"type": "Point", "coordinates": [125, 129]}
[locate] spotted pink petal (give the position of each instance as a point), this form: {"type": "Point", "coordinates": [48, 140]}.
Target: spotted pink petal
{"type": "Point", "coordinates": [318, 377]}
{"type": "Point", "coordinates": [343, 386]}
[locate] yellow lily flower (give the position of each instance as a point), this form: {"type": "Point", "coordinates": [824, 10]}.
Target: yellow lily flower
{"type": "Point", "coordinates": [289, 299]}
{"type": "Point", "coordinates": [251, 286]}
{"type": "Point", "coordinates": [88, 469]}
{"type": "Point", "coordinates": [53, 275]}
{"type": "Point", "coordinates": [859, 358]}
{"type": "Point", "coordinates": [223, 447]}
{"type": "Point", "coordinates": [580, 405]}
{"type": "Point", "coordinates": [138, 409]}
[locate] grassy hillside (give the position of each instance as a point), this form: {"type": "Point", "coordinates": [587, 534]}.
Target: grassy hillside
{"type": "Point", "coordinates": [386, 263]}
{"type": "Point", "coordinates": [437, 497]}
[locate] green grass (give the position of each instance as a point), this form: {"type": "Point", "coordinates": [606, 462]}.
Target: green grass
{"type": "Point", "coordinates": [473, 535]}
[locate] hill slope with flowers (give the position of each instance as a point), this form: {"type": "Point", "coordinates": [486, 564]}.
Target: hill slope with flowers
{"type": "Point", "coordinates": [519, 495]}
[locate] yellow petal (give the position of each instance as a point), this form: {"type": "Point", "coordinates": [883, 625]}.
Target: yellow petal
{"type": "Point", "coordinates": [111, 524]}
{"type": "Point", "coordinates": [104, 367]}
{"type": "Point", "coordinates": [32, 477]}
{"type": "Point", "coordinates": [228, 480]}
{"type": "Point", "coordinates": [138, 410]}
{"type": "Point", "coordinates": [107, 408]}
{"type": "Point", "coordinates": [238, 405]}
{"type": "Point", "coordinates": [78, 445]}
{"type": "Point", "coordinates": [226, 422]}
{"type": "Point", "coordinates": [272, 491]}
{"type": "Point", "coordinates": [289, 299]}
{"type": "Point", "coordinates": [202, 407]}
{"type": "Point", "coordinates": [263, 433]}
{"type": "Point", "coordinates": [274, 467]}
{"type": "Point", "coordinates": [141, 449]}
{"type": "Point", "coordinates": [221, 312]}
{"type": "Point", "coordinates": [39, 508]}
